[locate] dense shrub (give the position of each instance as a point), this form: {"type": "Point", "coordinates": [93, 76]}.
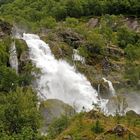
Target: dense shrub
{"type": "Point", "coordinates": [38, 11]}
{"type": "Point", "coordinates": [97, 128]}
{"type": "Point", "coordinates": [19, 118]}
{"type": "Point", "coordinates": [126, 36]}
{"type": "Point", "coordinates": [57, 126]}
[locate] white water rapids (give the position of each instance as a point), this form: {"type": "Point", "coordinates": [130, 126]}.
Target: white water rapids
{"type": "Point", "coordinates": [58, 79]}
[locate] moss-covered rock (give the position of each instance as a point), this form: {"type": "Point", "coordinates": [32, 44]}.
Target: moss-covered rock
{"type": "Point", "coordinates": [53, 108]}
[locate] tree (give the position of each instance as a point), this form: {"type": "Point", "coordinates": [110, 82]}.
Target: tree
{"type": "Point", "coordinates": [19, 115]}
{"type": "Point", "coordinates": [8, 79]}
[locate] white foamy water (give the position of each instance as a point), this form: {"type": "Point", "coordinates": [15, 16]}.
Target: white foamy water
{"type": "Point", "coordinates": [111, 88]}
{"type": "Point", "coordinates": [77, 57]}
{"type": "Point", "coordinates": [13, 60]}
{"type": "Point", "coordinates": [58, 79]}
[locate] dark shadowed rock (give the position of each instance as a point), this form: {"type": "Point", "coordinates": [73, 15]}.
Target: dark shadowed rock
{"type": "Point", "coordinates": [119, 130]}
{"type": "Point", "coordinates": [72, 38]}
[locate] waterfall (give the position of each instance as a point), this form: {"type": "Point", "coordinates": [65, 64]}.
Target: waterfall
{"type": "Point", "coordinates": [111, 88]}
{"type": "Point", "coordinates": [13, 60]}
{"type": "Point", "coordinates": [58, 79]}
{"type": "Point", "coordinates": [77, 57]}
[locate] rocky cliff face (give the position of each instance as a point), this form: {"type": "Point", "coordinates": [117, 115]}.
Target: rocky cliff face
{"type": "Point", "coordinates": [101, 60]}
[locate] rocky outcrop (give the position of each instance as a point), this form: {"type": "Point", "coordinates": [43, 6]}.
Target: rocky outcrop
{"type": "Point", "coordinates": [53, 108]}
{"type": "Point", "coordinates": [132, 23]}
{"type": "Point", "coordinates": [114, 51]}
{"type": "Point", "coordinates": [72, 38]}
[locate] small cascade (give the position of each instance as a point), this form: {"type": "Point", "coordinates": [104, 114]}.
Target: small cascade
{"type": "Point", "coordinates": [77, 57]}
{"type": "Point", "coordinates": [13, 60]}
{"type": "Point", "coordinates": [111, 88]}
{"type": "Point", "coordinates": [58, 79]}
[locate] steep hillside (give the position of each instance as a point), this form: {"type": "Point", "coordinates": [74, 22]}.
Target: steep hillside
{"type": "Point", "coordinates": [97, 41]}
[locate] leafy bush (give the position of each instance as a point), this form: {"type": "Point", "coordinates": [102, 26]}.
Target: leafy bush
{"type": "Point", "coordinates": [35, 11]}
{"type": "Point", "coordinates": [48, 22]}
{"type": "Point", "coordinates": [9, 80]}
{"type": "Point", "coordinates": [132, 52]}
{"type": "Point", "coordinates": [125, 37]}
{"type": "Point", "coordinates": [72, 22]}
{"type": "Point", "coordinates": [132, 72]}
{"type": "Point", "coordinates": [57, 126]}
{"type": "Point", "coordinates": [97, 128]}
{"type": "Point", "coordinates": [5, 43]}
{"type": "Point", "coordinates": [19, 117]}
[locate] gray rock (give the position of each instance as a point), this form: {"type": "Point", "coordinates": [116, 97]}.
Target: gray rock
{"type": "Point", "coordinates": [93, 22]}
{"type": "Point", "coordinates": [72, 38]}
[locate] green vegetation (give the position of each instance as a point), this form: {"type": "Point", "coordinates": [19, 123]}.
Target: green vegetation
{"type": "Point", "coordinates": [94, 125]}
{"type": "Point", "coordinates": [97, 128]}
{"type": "Point", "coordinates": [39, 13]}
{"type": "Point", "coordinates": [58, 126]}
{"type": "Point", "coordinates": [102, 31]}
{"type": "Point", "coordinates": [19, 116]}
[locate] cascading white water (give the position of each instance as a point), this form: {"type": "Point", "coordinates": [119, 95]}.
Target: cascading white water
{"type": "Point", "coordinates": [111, 88]}
{"type": "Point", "coordinates": [77, 57]}
{"type": "Point", "coordinates": [58, 79]}
{"type": "Point", "coordinates": [13, 60]}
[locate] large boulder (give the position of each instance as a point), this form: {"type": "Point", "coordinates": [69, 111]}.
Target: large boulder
{"type": "Point", "coordinates": [93, 22]}
{"type": "Point", "coordinates": [53, 108]}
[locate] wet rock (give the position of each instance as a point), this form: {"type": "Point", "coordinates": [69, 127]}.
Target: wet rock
{"type": "Point", "coordinates": [117, 105]}
{"type": "Point", "coordinates": [104, 90]}
{"type": "Point", "coordinates": [93, 22]}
